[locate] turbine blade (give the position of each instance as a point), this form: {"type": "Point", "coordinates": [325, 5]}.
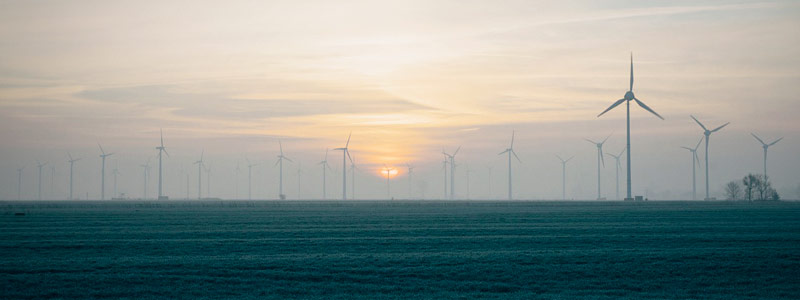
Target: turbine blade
{"type": "Point", "coordinates": [697, 158]}
{"type": "Point", "coordinates": [775, 142]}
{"type": "Point", "coordinates": [631, 87]}
{"type": "Point", "coordinates": [687, 148]}
{"type": "Point", "coordinates": [162, 137]}
{"type": "Point", "coordinates": [512, 140]}
{"type": "Point", "coordinates": [165, 151]}
{"type": "Point", "coordinates": [718, 128]}
{"type": "Point", "coordinates": [755, 136]}
{"type": "Point", "coordinates": [604, 141]}
{"type": "Point", "coordinates": [559, 158]}
{"type": "Point", "coordinates": [647, 108]}
{"type": "Point", "coordinates": [600, 153]}
{"type": "Point", "coordinates": [348, 156]}
{"type": "Point", "coordinates": [515, 155]}
{"type": "Point", "coordinates": [698, 122]}
{"type": "Point", "coordinates": [348, 139]}
{"type": "Point", "coordinates": [70, 156]}
{"type": "Point", "coordinates": [698, 143]}
{"type": "Point", "coordinates": [203, 152]}
{"type": "Point", "coordinates": [591, 141]}
{"type": "Point", "coordinates": [612, 106]}
{"type": "Point", "coordinates": [459, 148]}
{"type": "Point", "coordinates": [286, 158]}
{"type": "Point", "coordinates": [276, 162]}
{"type": "Point", "coordinates": [501, 153]}
{"type": "Point", "coordinates": [623, 151]}
{"type": "Point", "coordinates": [326, 154]}
{"type": "Point", "coordinates": [281, 147]}
{"type": "Point", "coordinates": [101, 148]}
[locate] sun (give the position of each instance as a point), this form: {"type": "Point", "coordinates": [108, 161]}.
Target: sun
{"type": "Point", "coordinates": [391, 171]}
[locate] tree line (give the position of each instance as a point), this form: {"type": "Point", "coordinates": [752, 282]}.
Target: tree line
{"type": "Point", "coordinates": [754, 187]}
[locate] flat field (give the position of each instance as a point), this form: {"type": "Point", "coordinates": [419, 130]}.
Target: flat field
{"type": "Point", "coordinates": [399, 250]}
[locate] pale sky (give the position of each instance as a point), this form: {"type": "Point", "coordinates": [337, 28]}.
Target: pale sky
{"type": "Point", "coordinates": [406, 78]}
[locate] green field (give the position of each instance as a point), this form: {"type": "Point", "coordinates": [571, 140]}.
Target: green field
{"type": "Point", "coordinates": [402, 250]}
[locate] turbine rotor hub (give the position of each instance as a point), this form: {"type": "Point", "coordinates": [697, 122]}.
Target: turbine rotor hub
{"type": "Point", "coordinates": [629, 95]}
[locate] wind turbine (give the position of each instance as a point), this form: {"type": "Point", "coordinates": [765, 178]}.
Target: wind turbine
{"type": "Point", "coordinates": [279, 162]}
{"type": "Point", "coordinates": [599, 160]}
{"type": "Point", "coordinates": [509, 150]}
{"type": "Point", "coordinates": [444, 169]}
{"type": "Point", "coordinates": [199, 164]}
{"type": "Point", "coordinates": [146, 171]}
{"type": "Point", "coordinates": [345, 156]}
{"type": "Point", "coordinates": [410, 170]}
{"type": "Point", "coordinates": [707, 134]}
{"type": "Point", "coordinates": [564, 176]}
{"type": "Point", "coordinates": [766, 146]}
{"type": "Point", "coordinates": [353, 179]}
{"type": "Point", "coordinates": [103, 156]}
{"type": "Point", "coordinates": [616, 157]}
{"type": "Point", "coordinates": [325, 166]}
{"type": "Point", "coordinates": [71, 164]}
{"type": "Point", "coordinates": [452, 170]}
{"type": "Point", "coordinates": [19, 182]}
{"type": "Point", "coordinates": [40, 165]}
{"type": "Point", "coordinates": [115, 172]}
{"type": "Point", "coordinates": [160, 181]}
{"type": "Point", "coordinates": [250, 179]}
{"type": "Point", "coordinates": [388, 172]}
{"type": "Point", "coordinates": [208, 181]}
{"type": "Point", "coordinates": [695, 159]}
{"type": "Point", "coordinates": [627, 99]}
{"type": "Point", "coordinates": [299, 179]}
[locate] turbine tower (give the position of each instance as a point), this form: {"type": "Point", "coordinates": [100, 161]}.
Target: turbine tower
{"type": "Point", "coordinates": [695, 162]}
{"type": "Point", "coordinates": [452, 159]}
{"type": "Point", "coordinates": [40, 165]}
{"type": "Point", "coordinates": [19, 182]}
{"type": "Point", "coordinates": [564, 176]}
{"type": "Point", "coordinates": [199, 164]}
{"type": "Point", "coordinates": [353, 179]}
{"type": "Point", "coordinates": [115, 172]}
{"type": "Point", "coordinates": [510, 151]}
{"type": "Point", "coordinates": [627, 99]}
{"type": "Point", "coordinates": [279, 163]}
{"type": "Point", "coordinates": [146, 171]}
{"type": "Point", "coordinates": [236, 172]}
{"type": "Point", "coordinates": [71, 165]}
{"type": "Point", "coordinates": [345, 156]}
{"type": "Point", "coordinates": [103, 156]}
{"type": "Point", "coordinates": [388, 172]}
{"type": "Point", "coordinates": [160, 181]}
{"type": "Point", "coordinates": [765, 146]}
{"type": "Point", "coordinates": [250, 179]}
{"type": "Point", "coordinates": [325, 167]}
{"type": "Point", "coordinates": [707, 134]}
{"type": "Point", "coordinates": [410, 170]}
{"type": "Point", "coordinates": [444, 169]}
{"type": "Point", "coordinates": [616, 158]}
{"type": "Point", "coordinates": [599, 160]}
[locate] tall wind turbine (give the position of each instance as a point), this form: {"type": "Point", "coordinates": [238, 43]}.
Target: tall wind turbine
{"type": "Point", "coordinates": [71, 165]}
{"type": "Point", "coordinates": [707, 134]}
{"type": "Point", "coordinates": [250, 179]}
{"type": "Point", "coordinates": [103, 156]}
{"type": "Point", "coordinates": [627, 99]}
{"type": "Point", "coordinates": [410, 170]}
{"type": "Point", "coordinates": [279, 163]}
{"type": "Point", "coordinates": [146, 171]}
{"type": "Point", "coordinates": [160, 150]}
{"type": "Point", "coordinates": [765, 146]}
{"type": "Point", "coordinates": [616, 158]}
{"type": "Point", "coordinates": [564, 176]}
{"type": "Point", "coordinates": [509, 150]}
{"type": "Point", "coordinates": [19, 182]}
{"type": "Point", "coordinates": [695, 159]}
{"type": "Point", "coordinates": [199, 164]}
{"type": "Point", "coordinates": [345, 156]}
{"type": "Point", "coordinates": [40, 165]}
{"type": "Point", "coordinates": [388, 172]}
{"type": "Point", "coordinates": [599, 160]}
{"type": "Point", "coordinates": [325, 167]}
{"type": "Point", "coordinates": [452, 159]}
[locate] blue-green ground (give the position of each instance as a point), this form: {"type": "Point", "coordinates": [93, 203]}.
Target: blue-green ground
{"type": "Point", "coordinates": [401, 250]}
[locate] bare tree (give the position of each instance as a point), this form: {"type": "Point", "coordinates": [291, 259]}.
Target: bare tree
{"type": "Point", "coordinates": [751, 183]}
{"type": "Point", "coordinates": [733, 191]}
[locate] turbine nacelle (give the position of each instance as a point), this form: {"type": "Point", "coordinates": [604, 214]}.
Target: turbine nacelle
{"type": "Point", "coordinates": [629, 96]}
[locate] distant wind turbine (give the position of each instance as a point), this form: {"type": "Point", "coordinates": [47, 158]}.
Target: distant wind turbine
{"type": "Point", "coordinates": [40, 165]}
{"type": "Point", "coordinates": [617, 164]}
{"type": "Point", "coordinates": [510, 151]}
{"type": "Point", "coordinates": [145, 171]}
{"type": "Point", "coordinates": [444, 169]}
{"type": "Point", "coordinates": [279, 163]}
{"type": "Point", "coordinates": [410, 170]}
{"type": "Point", "coordinates": [627, 99]}
{"type": "Point", "coordinates": [695, 162]}
{"type": "Point", "coordinates": [345, 156]}
{"type": "Point", "coordinates": [707, 134]}
{"type": "Point", "coordinates": [765, 146]}
{"type": "Point", "coordinates": [452, 171]}
{"type": "Point", "coordinates": [71, 165]}
{"type": "Point", "coordinates": [115, 172]}
{"type": "Point", "coordinates": [250, 179]}
{"type": "Point", "coordinates": [388, 172]}
{"type": "Point", "coordinates": [325, 167]}
{"type": "Point", "coordinates": [564, 176]}
{"type": "Point", "coordinates": [599, 160]}
{"type": "Point", "coordinates": [161, 149]}
{"type": "Point", "coordinates": [199, 164]}
{"type": "Point", "coordinates": [103, 156]}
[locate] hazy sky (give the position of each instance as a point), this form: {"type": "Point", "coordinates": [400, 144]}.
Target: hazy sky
{"type": "Point", "coordinates": [407, 78]}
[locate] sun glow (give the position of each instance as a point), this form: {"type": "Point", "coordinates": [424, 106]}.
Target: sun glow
{"type": "Point", "coordinates": [392, 172]}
